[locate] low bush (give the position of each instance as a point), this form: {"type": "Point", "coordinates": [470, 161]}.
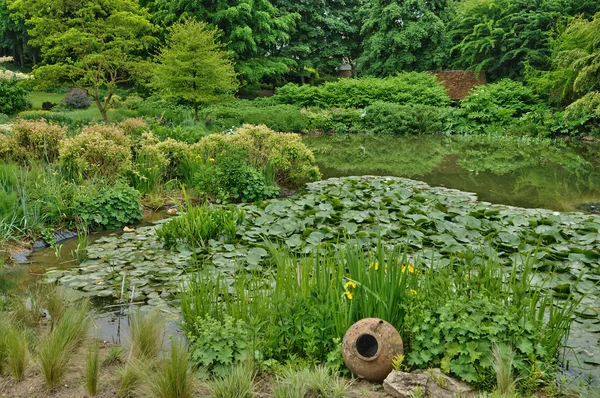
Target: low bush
{"type": "Point", "coordinates": [497, 104]}
{"type": "Point", "coordinates": [291, 161]}
{"type": "Point", "coordinates": [77, 99]}
{"type": "Point", "coordinates": [39, 139]}
{"type": "Point", "coordinates": [7, 146]}
{"type": "Point", "coordinates": [134, 127]}
{"type": "Point", "coordinates": [108, 206]}
{"type": "Point", "coordinates": [229, 179]}
{"type": "Point", "coordinates": [405, 88]}
{"type": "Point", "coordinates": [389, 118]}
{"type": "Point", "coordinates": [99, 151]}
{"type": "Point", "coordinates": [218, 345]}
{"type": "Point", "coordinates": [13, 97]}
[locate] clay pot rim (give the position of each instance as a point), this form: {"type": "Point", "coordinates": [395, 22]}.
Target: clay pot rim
{"type": "Point", "coordinates": [367, 359]}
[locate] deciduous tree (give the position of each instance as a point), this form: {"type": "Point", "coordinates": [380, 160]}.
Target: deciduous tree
{"type": "Point", "coordinates": [92, 44]}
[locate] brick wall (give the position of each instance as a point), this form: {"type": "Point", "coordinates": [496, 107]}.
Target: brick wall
{"type": "Point", "coordinates": [459, 83]}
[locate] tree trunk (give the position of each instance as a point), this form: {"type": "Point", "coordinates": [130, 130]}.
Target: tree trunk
{"type": "Point", "coordinates": [195, 112]}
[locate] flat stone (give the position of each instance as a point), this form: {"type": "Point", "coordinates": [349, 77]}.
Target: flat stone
{"type": "Point", "coordinates": [405, 385]}
{"type": "Point", "coordinates": [64, 235]}
{"type": "Point", "coordinates": [443, 386]}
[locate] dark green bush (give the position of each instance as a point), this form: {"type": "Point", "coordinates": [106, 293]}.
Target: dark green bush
{"type": "Point", "coordinates": [109, 207]}
{"type": "Point", "coordinates": [497, 104]}
{"type": "Point", "coordinates": [583, 115]}
{"type": "Point", "coordinates": [229, 178]}
{"type": "Point", "coordinates": [386, 118]}
{"type": "Point", "coordinates": [13, 97]}
{"type": "Point", "coordinates": [405, 88]}
{"type": "Point", "coordinates": [77, 99]}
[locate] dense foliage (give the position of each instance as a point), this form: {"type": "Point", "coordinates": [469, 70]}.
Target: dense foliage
{"type": "Point", "coordinates": [404, 88]}
{"type": "Point", "coordinates": [91, 45]}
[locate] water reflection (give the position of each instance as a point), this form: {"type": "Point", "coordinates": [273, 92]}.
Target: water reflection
{"type": "Point", "coordinates": [506, 170]}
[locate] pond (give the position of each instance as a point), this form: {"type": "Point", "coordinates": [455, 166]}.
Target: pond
{"type": "Point", "coordinates": [434, 221]}
{"type": "Point", "coordinates": [505, 170]}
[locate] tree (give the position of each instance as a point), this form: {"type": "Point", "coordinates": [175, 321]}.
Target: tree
{"type": "Point", "coordinates": [92, 44]}
{"type": "Point", "coordinates": [501, 36]}
{"type": "Point", "coordinates": [326, 34]}
{"type": "Point", "coordinates": [403, 35]}
{"type": "Point", "coordinates": [194, 66]}
{"type": "Point", "coordinates": [575, 68]}
{"type": "Point", "coordinates": [252, 29]}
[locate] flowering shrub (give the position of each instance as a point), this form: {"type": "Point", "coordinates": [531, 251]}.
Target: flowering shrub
{"type": "Point", "coordinates": [292, 161]}
{"type": "Point", "coordinates": [38, 139]}
{"type": "Point", "coordinates": [134, 127]}
{"type": "Point", "coordinates": [100, 150]}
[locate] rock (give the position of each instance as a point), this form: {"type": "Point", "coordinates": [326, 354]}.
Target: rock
{"type": "Point", "coordinates": [405, 385]}
{"type": "Point", "coordinates": [127, 229]}
{"type": "Point", "coordinates": [172, 211]}
{"type": "Point", "coordinates": [64, 235]}
{"type": "Point", "coordinates": [39, 244]}
{"type": "Point", "coordinates": [443, 386]}
{"type": "Point", "coordinates": [21, 258]}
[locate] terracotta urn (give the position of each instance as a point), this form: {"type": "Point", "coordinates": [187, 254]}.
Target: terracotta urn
{"type": "Point", "coordinates": [369, 347]}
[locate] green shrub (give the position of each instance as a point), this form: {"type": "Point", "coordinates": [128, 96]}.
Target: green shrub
{"type": "Point", "coordinates": [149, 167]}
{"type": "Point", "coordinates": [7, 146]}
{"type": "Point", "coordinates": [77, 99]}
{"type": "Point", "coordinates": [39, 139]}
{"type": "Point", "coordinates": [217, 345]}
{"type": "Point", "coordinates": [405, 88]}
{"type": "Point", "coordinates": [229, 178]}
{"type": "Point", "coordinates": [134, 127]}
{"type": "Point", "coordinates": [4, 118]}
{"type": "Point", "coordinates": [498, 104]}
{"type": "Point", "coordinates": [13, 98]}
{"type": "Point", "coordinates": [583, 115]}
{"type": "Point", "coordinates": [337, 120]}
{"type": "Point", "coordinates": [388, 118]}
{"type": "Point", "coordinates": [291, 161]}
{"type": "Point", "coordinates": [99, 151]}
{"type": "Point", "coordinates": [109, 206]}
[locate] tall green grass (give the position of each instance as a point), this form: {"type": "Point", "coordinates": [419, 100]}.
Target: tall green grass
{"type": "Point", "coordinates": [57, 347]}
{"type": "Point", "coordinates": [172, 377]}
{"type": "Point", "coordinates": [146, 335]}
{"type": "Point", "coordinates": [17, 352]}
{"type": "Point", "coordinates": [319, 381]}
{"type": "Point", "coordinates": [92, 368]}
{"type": "Point", "coordinates": [238, 383]}
{"type": "Point", "coordinates": [198, 224]}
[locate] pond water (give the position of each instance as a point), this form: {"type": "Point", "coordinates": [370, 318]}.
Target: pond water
{"type": "Point", "coordinates": [526, 173]}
